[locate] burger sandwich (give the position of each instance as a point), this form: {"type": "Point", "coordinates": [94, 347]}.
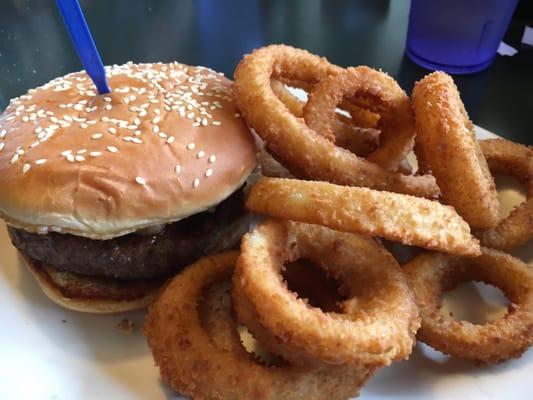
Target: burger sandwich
{"type": "Point", "coordinates": [106, 196]}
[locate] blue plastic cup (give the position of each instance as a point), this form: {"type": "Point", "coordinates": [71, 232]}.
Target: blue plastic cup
{"type": "Point", "coordinates": [457, 36]}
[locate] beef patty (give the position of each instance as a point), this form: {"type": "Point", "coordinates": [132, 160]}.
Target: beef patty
{"type": "Point", "coordinates": [140, 256]}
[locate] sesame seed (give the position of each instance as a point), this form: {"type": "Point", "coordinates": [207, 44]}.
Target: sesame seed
{"type": "Point", "coordinates": [108, 107]}
{"type": "Point", "coordinates": [140, 181]}
{"type": "Point", "coordinates": [25, 168]}
{"type": "Point", "coordinates": [162, 135]}
{"type": "Point", "coordinates": [64, 153]}
{"type": "Point", "coordinates": [112, 149]}
{"type": "Point", "coordinates": [156, 120]}
{"type": "Point", "coordinates": [107, 99]}
{"type": "Point", "coordinates": [112, 131]}
{"type": "Point", "coordinates": [19, 151]}
{"type": "Point", "coordinates": [79, 158]}
{"type": "Point", "coordinates": [2, 146]}
{"type": "Point", "coordinates": [212, 159]}
{"type": "Point", "coordinates": [14, 158]}
{"type": "Point", "coordinates": [35, 144]}
{"type": "Point", "coordinates": [190, 115]}
{"type": "Point", "coordinates": [137, 133]}
{"type": "Point", "coordinates": [204, 122]}
{"type": "Point", "coordinates": [40, 161]}
{"type": "Point", "coordinates": [196, 124]}
{"type": "Point", "coordinates": [157, 111]}
{"type": "Point", "coordinates": [97, 136]}
{"type": "Point", "coordinates": [84, 125]}
{"type": "Point", "coordinates": [137, 121]}
{"type": "Point", "coordinates": [136, 140]}
{"type": "Point", "coordinates": [3, 133]}
{"type": "Point", "coordinates": [170, 140]}
{"type": "Point", "coordinates": [25, 118]}
{"type": "Point", "coordinates": [201, 154]}
{"type": "Point", "coordinates": [216, 123]}
{"type": "Point", "coordinates": [155, 128]}
{"type": "Point", "coordinates": [82, 151]}
{"type": "Point", "coordinates": [208, 172]}
{"type": "Point", "coordinates": [70, 157]}
{"type": "Point", "coordinates": [191, 146]}
{"type": "Point", "coordinates": [177, 168]}
{"type": "Point", "coordinates": [95, 153]}
{"type": "Point", "coordinates": [196, 183]}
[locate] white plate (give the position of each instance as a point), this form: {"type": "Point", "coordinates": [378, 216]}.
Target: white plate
{"type": "Point", "coordinates": [50, 353]}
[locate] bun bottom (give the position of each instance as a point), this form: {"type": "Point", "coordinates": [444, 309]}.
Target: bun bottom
{"type": "Point", "coordinates": [92, 294]}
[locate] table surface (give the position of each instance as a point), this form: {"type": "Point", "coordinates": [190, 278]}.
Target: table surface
{"type": "Point", "coordinates": [34, 46]}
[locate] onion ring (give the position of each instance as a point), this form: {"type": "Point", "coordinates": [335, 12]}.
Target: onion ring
{"type": "Point", "coordinates": [446, 145]}
{"type": "Point", "coordinates": [360, 117]}
{"type": "Point", "coordinates": [431, 274]}
{"type": "Point", "coordinates": [410, 220]}
{"type": "Point", "coordinates": [291, 140]}
{"type": "Point", "coordinates": [360, 141]}
{"type": "Point", "coordinates": [384, 97]}
{"type": "Point", "coordinates": [377, 322]}
{"type": "Point", "coordinates": [516, 160]}
{"type": "Point", "coordinates": [197, 365]}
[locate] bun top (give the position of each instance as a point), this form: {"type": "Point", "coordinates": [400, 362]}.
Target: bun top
{"type": "Point", "coordinates": [166, 143]}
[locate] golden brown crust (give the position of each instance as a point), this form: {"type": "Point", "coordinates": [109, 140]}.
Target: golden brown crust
{"type": "Point", "coordinates": [431, 274]}
{"type": "Point", "coordinates": [195, 365]}
{"type": "Point", "coordinates": [291, 140]}
{"type": "Point", "coordinates": [446, 146]}
{"type": "Point", "coordinates": [406, 219]}
{"type": "Point", "coordinates": [120, 174]}
{"type": "Point", "coordinates": [382, 94]}
{"type": "Point", "coordinates": [376, 323]}
{"type": "Point", "coordinates": [513, 159]}
{"type": "Point", "coordinates": [91, 294]}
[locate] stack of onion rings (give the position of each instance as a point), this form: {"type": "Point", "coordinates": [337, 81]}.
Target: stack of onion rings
{"type": "Point", "coordinates": [510, 158]}
{"type": "Point", "coordinates": [206, 366]}
{"type": "Point", "coordinates": [446, 145]}
{"type": "Point", "coordinates": [291, 140]}
{"type": "Point", "coordinates": [376, 324]}
{"type": "Point", "coordinates": [432, 274]}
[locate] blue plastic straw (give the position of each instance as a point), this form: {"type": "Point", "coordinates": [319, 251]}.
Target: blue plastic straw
{"type": "Point", "coordinates": [83, 42]}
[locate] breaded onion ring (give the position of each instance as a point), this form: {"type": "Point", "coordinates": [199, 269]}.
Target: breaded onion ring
{"type": "Point", "coordinates": [291, 140]}
{"type": "Point", "coordinates": [361, 117]}
{"type": "Point", "coordinates": [197, 365]}
{"type": "Point", "coordinates": [431, 274]}
{"type": "Point", "coordinates": [360, 141]}
{"type": "Point", "coordinates": [383, 95]}
{"type": "Point", "coordinates": [406, 219]}
{"type": "Point", "coordinates": [513, 159]}
{"type": "Point", "coordinates": [376, 324]}
{"type": "Point", "coordinates": [446, 145]}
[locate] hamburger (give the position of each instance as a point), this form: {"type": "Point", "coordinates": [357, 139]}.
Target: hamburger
{"type": "Point", "coordinates": [106, 196]}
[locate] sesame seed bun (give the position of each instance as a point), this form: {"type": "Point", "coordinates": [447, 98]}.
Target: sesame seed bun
{"type": "Point", "coordinates": [90, 294]}
{"type": "Point", "coordinates": [165, 144]}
